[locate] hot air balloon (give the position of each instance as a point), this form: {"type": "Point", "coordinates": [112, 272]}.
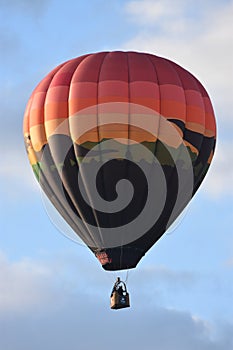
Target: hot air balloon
{"type": "Point", "coordinates": [119, 142]}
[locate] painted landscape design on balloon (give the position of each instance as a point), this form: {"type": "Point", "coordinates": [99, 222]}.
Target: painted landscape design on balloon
{"type": "Point", "coordinates": [119, 115]}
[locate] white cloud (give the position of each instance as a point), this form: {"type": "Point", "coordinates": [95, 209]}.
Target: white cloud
{"type": "Point", "coordinates": [148, 12]}
{"type": "Point", "coordinates": [199, 37]}
{"type": "Point", "coordinates": [64, 301]}
{"type": "Point", "coordinates": [23, 285]}
{"type": "Point", "coordinates": [202, 43]}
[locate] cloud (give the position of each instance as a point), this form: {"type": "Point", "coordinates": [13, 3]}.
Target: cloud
{"type": "Point", "coordinates": [166, 330]}
{"type": "Point", "coordinates": [54, 305]}
{"type": "Point", "coordinates": [198, 41]}
{"type": "Point", "coordinates": [23, 285]}
{"type": "Point", "coordinates": [196, 36]}
{"type": "Point", "coordinates": [148, 12]}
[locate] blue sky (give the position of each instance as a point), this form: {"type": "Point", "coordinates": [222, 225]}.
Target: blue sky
{"type": "Point", "coordinates": [53, 293]}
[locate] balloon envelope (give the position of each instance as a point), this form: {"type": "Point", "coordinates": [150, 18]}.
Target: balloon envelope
{"type": "Point", "coordinates": [119, 142]}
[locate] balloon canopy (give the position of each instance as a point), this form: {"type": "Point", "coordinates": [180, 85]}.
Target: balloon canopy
{"type": "Point", "coordinates": [119, 142]}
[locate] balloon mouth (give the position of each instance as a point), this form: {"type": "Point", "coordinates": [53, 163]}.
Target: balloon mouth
{"type": "Point", "coordinates": [120, 258]}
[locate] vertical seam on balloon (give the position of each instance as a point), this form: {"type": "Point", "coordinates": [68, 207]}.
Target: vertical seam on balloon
{"type": "Point", "coordinates": [129, 95]}
{"type": "Point", "coordinates": [200, 151]}
{"type": "Point", "coordinates": [148, 58]}
{"type": "Point", "coordinates": [204, 121]}
{"type": "Point", "coordinates": [83, 178]}
{"type": "Point", "coordinates": [98, 134]}
{"type": "Point", "coordinates": [51, 78]}
{"type": "Point", "coordinates": [160, 104]}
{"type": "Point", "coordinates": [76, 206]}
{"type": "Point", "coordinates": [203, 135]}
{"type": "Point", "coordinates": [64, 208]}
{"type": "Point", "coordinates": [159, 90]}
{"type": "Point", "coordinates": [127, 150]}
{"type": "Point", "coordinates": [173, 68]}
{"type": "Point", "coordinates": [160, 107]}
{"type": "Point", "coordinates": [97, 95]}
{"type": "Point", "coordinates": [28, 128]}
{"type": "Point", "coordinates": [29, 111]}
{"type": "Point", "coordinates": [168, 63]}
{"type": "Point", "coordinates": [129, 120]}
{"type": "Point", "coordinates": [87, 193]}
{"type": "Point", "coordinates": [50, 153]}
{"type": "Point", "coordinates": [68, 124]}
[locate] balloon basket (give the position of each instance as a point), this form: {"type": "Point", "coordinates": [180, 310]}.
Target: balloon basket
{"type": "Point", "coordinates": [119, 296]}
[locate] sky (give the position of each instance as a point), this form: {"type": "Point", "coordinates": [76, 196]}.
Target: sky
{"type": "Point", "coordinates": [53, 292]}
